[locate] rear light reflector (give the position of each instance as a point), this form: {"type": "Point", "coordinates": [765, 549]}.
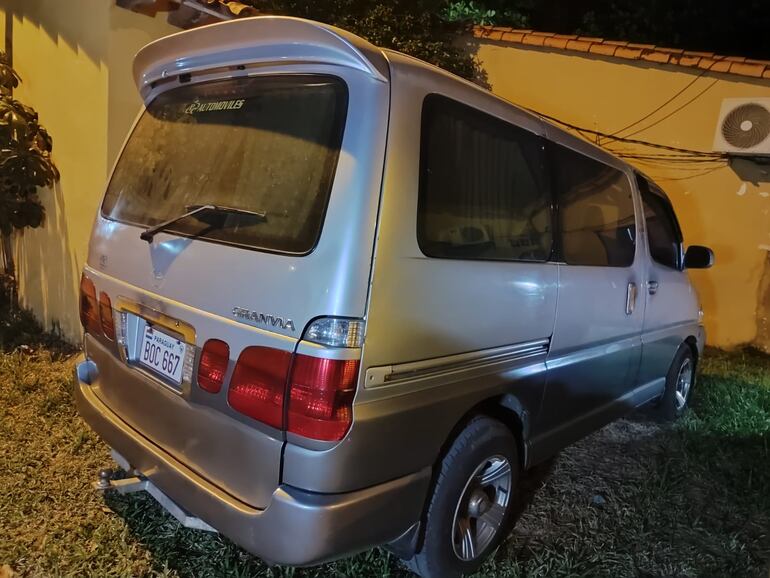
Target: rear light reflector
{"type": "Point", "coordinates": [89, 309]}
{"type": "Point", "coordinates": [321, 397]}
{"type": "Point", "coordinates": [336, 332]}
{"type": "Point", "coordinates": [105, 316]}
{"type": "Point", "coordinates": [258, 383]}
{"type": "Point", "coordinates": [213, 365]}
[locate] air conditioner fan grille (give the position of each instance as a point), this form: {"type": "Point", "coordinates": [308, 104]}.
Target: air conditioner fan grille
{"type": "Point", "coordinates": [746, 126]}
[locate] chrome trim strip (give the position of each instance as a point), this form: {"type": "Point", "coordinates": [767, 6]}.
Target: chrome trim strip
{"type": "Point", "coordinates": [388, 374]}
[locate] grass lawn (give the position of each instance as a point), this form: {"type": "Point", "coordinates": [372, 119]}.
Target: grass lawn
{"type": "Point", "coordinates": [635, 499]}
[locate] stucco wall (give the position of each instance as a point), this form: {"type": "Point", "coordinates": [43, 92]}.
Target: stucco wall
{"type": "Point", "coordinates": [74, 58]}
{"type": "Point", "coordinates": [727, 209]}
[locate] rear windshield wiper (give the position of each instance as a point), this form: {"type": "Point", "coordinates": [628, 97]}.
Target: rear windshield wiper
{"type": "Point", "coordinates": [193, 210]}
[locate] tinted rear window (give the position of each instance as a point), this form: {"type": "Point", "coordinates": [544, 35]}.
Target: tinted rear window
{"type": "Point", "coordinates": [483, 191]}
{"type": "Point", "coordinates": [264, 144]}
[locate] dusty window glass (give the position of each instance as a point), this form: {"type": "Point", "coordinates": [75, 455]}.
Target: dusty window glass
{"type": "Point", "coordinates": [663, 234]}
{"type": "Point", "coordinates": [483, 192]}
{"type": "Point", "coordinates": [257, 145]}
{"type": "Point", "coordinates": [596, 211]}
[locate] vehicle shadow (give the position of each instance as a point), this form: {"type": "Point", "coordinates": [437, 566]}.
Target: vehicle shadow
{"type": "Point", "coordinates": [640, 498]}
{"type": "Point", "coordinates": [530, 484]}
{"type": "Point", "coordinates": [646, 497]}
{"type": "Point", "coordinates": [636, 498]}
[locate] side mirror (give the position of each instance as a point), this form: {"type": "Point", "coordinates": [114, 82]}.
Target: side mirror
{"type": "Point", "coordinates": [698, 257]}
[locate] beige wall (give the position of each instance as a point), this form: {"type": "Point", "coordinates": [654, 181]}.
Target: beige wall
{"type": "Point", "coordinates": [74, 58]}
{"type": "Point", "coordinates": [727, 209]}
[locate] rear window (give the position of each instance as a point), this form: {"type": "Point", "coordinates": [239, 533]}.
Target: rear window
{"type": "Point", "coordinates": [265, 145]}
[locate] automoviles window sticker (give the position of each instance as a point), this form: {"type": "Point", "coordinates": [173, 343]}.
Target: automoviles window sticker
{"type": "Point", "coordinates": [212, 106]}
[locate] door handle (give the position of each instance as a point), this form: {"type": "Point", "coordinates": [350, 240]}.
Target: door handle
{"type": "Point", "coordinates": [630, 298]}
{"type": "Point", "coordinates": [652, 287]}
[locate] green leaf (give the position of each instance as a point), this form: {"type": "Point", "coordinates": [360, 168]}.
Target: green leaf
{"type": "Point", "coordinates": [25, 161]}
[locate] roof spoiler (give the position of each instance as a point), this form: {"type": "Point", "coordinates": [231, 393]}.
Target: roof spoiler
{"type": "Point", "coordinates": [250, 41]}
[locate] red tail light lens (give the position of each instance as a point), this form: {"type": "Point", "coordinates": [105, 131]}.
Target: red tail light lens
{"type": "Point", "coordinates": [89, 309]}
{"type": "Point", "coordinates": [258, 383]}
{"type": "Point", "coordinates": [213, 365]}
{"type": "Point", "coordinates": [321, 398]}
{"type": "Point", "coordinates": [105, 316]}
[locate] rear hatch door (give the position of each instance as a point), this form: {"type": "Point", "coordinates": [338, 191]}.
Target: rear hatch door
{"type": "Point", "coordinates": [289, 162]}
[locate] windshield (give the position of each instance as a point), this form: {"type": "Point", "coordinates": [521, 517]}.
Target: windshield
{"type": "Point", "coordinates": [264, 145]}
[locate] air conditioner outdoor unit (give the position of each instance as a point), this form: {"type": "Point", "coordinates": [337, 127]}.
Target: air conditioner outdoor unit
{"type": "Point", "coordinates": [744, 127]}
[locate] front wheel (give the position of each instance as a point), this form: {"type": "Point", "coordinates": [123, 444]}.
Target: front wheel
{"type": "Point", "coordinates": [679, 383]}
{"type": "Point", "coordinates": [471, 502]}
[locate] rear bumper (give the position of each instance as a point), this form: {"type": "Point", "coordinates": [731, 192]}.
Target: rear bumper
{"type": "Point", "coordinates": [296, 528]}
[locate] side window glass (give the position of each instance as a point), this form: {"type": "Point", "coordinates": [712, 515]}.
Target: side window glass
{"type": "Point", "coordinates": [483, 191]}
{"type": "Point", "coordinates": [663, 234]}
{"type": "Point", "coordinates": [596, 211]}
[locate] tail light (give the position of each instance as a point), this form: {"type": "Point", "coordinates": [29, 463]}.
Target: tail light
{"type": "Point", "coordinates": [89, 309]}
{"type": "Point", "coordinates": [213, 365]}
{"type": "Point", "coordinates": [321, 397]}
{"type": "Point", "coordinates": [105, 316]}
{"type": "Point", "coordinates": [320, 391]}
{"type": "Point", "coordinates": [258, 383]}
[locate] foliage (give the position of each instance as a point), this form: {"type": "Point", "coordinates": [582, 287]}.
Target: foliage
{"type": "Point", "coordinates": [415, 27]}
{"type": "Point", "coordinates": [740, 28]}
{"type": "Point", "coordinates": [25, 158]}
{"type": "Point", "coordinates": [691, 24]}
{"type": "Point", "coordinates": [467, 10]}
{"type": "Point", "coordinates": [19, 328]}
{"type": "Point", "coordinates": [684, 500]}
{"type": "Point", "coordinates": [471, 11]}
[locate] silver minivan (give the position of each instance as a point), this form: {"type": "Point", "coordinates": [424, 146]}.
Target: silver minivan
{"type": "Point", "coordinates": [337, 298]}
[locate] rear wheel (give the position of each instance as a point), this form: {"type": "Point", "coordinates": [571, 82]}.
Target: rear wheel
{"type": "Point", "coordinates": [471, 503]}
{"type": "Point", "coordinates": [679, 383]}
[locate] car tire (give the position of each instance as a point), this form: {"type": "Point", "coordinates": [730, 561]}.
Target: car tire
{"type": "Point", "coordinates": [471, 503]}
{"type": "Point", "coordinates": [680, 380]}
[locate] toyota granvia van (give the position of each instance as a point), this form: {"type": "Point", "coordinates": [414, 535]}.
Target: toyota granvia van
{"type": "Point", "coordinates": [338, 298]}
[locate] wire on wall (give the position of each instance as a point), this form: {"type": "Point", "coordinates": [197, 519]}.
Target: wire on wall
{"type": "Point", "coordinates": [672, 99]}
{"type": "Point", "coordinates": [696, 162]}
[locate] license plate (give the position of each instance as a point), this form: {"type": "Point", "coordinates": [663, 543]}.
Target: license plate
{"type": "Point", "coordinates": [163, 354]}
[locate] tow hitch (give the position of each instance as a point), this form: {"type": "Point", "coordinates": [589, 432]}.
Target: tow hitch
{"type": "Point", "coordinates": [139, 483]}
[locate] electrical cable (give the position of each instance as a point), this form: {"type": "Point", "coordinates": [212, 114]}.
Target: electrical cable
{"type": "Point", "coordinates": [679, 168]}
{"type": "Point", "coordinates": [673, 112]}
{"type": "Point", "coordinates": [628, 140]}
{"type": "Point", "coordinates": [670, 160]}
{"type": "Point", "coordinates": [703, 174]}
{"type": "Point", "coordinates": [661, 155]}
{"type": "Point", "coordinates": [670, 100]}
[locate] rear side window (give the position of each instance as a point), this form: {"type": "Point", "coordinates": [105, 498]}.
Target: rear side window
{"type": "Point", "coordinates": [663, 233]}
{"type": "Point", "coordinates": [483, 191]}
{"type": "Point", "coordinates": [596, 211]}
{"type": "Point", "coordinates": [266, 145]}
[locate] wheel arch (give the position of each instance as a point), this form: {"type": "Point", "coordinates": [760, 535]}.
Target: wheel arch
{"type": "Point", "coordinates": [508, 410]}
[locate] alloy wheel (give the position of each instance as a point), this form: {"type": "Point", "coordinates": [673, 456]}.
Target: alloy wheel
{"type": "Point", "coordinates": [683, 384]}
{"type": "Point", "coordinates": [480, 512]}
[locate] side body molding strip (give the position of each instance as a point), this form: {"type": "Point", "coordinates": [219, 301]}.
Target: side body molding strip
{"type": "Point", "coordinates": [389, 374]}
